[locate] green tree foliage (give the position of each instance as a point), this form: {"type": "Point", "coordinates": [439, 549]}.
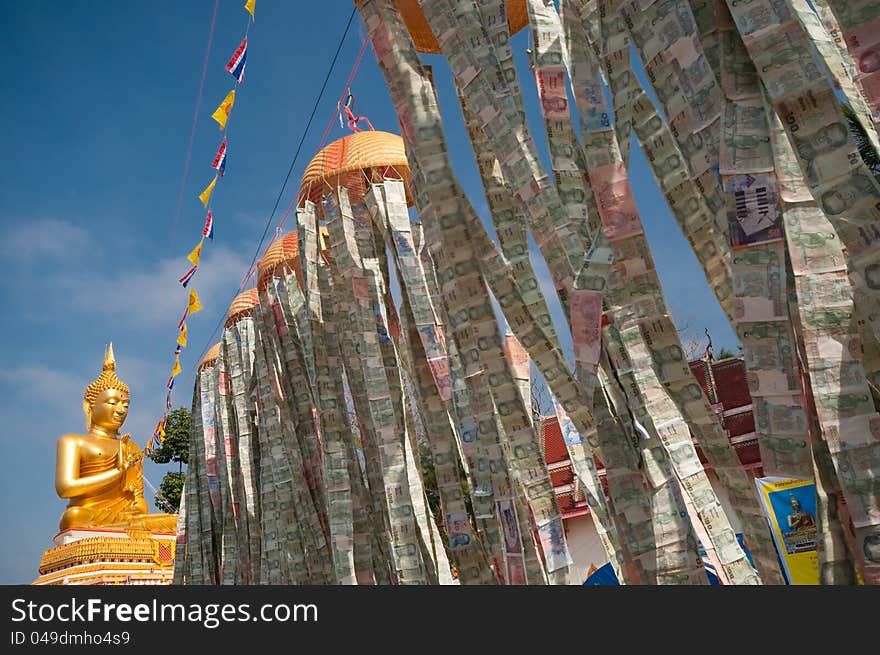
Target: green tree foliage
{"type": "Point", "coordinates": [170, 491]}
{"type": "Point", "coordinates": [869, 155]}
{"type": "Point", "coordinates": [429, 478]}
{"type": "Point", "coordinates": [429, 481]}
{"type": "Point", "coordinates": [175, 448]}
{"type": "Point", "coordinates": [725, 353]}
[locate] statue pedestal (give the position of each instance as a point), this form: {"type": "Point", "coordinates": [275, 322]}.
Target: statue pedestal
{"type": "Point", "coordinates": [108, 556]}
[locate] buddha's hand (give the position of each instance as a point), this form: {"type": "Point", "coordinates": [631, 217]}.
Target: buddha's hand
{"type": "Point", "coordinates": [122, 462]}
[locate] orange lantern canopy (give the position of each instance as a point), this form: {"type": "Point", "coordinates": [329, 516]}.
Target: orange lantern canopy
{"type": "Point", "coordinates": [353, 162]}
{"type": "Point", "coordinates": [241, 306]}
{"type": "Point", "coordinates": [281, 256]}
{"type": "Point", "coordinates": [210, 358]}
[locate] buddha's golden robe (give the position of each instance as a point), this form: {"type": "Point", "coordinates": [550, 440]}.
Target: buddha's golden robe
{"type": "Point", "coordinates": [113, 507]}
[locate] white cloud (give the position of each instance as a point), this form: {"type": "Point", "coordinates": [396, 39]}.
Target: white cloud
{"type": "Point", "coordinates": [124, 291]}
{"type": "Point", "coordinates": [43, 382]}
{"type": "Point", "coordinates": [151, 296]}
{"type": "Point", "coordinates": [48, 239]}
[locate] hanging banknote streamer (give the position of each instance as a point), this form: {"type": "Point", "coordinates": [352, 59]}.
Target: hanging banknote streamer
{"type": "Point", "coordinates": [634, 318]}
{"type": "Point", "coordinates": [523, 179]}
{"type": "Point", "coordinates": [198, 559]}
{"type": "Point", "coordinates": [223, 532]}
{"type": "Point", "coordinates": [298, 475]}
{"type": "Point", "coordinates": [237, 354]}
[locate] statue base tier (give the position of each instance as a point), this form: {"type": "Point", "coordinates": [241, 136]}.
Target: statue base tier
{"type": "Point", "coordinates": [108, 556]}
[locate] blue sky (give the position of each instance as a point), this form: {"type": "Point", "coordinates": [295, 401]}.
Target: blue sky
{"type": "Point", "coordinates": [96, 120]}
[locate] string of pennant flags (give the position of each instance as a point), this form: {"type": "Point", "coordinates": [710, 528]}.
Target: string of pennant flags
{"type": "Point", "coordinates": [235, 67]}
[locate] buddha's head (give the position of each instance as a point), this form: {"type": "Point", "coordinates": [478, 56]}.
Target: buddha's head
{"type": "Point", "coordinates": [105, 401]}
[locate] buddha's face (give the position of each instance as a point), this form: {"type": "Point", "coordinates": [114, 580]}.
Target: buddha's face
{"type": "Point", "coordinates": [110, 409]}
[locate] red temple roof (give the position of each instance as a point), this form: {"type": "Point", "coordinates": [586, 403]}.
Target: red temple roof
{"type": "Point", "coordinates": [730, 383]}
{"type": "Point", "coordinates": [723, 382]}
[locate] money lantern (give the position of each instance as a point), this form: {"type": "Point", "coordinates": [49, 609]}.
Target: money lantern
{"type": "Point", "coordinates": [356, 235]}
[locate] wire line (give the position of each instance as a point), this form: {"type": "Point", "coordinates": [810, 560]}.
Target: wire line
{"type": "Point", "coordinates": [192, 134]}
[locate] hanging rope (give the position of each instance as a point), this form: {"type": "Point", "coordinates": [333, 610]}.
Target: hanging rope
{"type": "Point", "coordinates": [160, 497]}
{"type": "Point", "coordinates": [345, 92]}
{"type": "Point", "coordinates": [352, 119]}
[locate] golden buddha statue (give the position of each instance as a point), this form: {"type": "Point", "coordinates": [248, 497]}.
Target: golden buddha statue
{"type": "Point", "coordinates": [100, 472]}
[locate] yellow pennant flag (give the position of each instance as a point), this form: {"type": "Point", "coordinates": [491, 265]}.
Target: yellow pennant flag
{"type": "Point", "coordinates": [194, 304]}
{"type": "Point", "coordinates": [249, 5]}
{"type": "Point", "coordinates": [222, 112]}
{"type": "Point", "coordinates": [174, 371]}
{"type": "Point", "coordinates": [181, 338]}
{"type": "Point", "coordinates": [196, 253]}
{"type": "Point", "coordinates": [205, 195]}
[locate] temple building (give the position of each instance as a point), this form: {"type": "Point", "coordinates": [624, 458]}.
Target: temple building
{"type": "Point", "coordinates": [724, 383]}
{"type": "Point", "coordinates": [108, 557]}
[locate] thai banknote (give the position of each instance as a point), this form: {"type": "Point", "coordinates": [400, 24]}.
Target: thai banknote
{"type": "Point", "coordinates": [759, 283]}
{"type": "Point", "coordinates": [615, 201]}
{"type": "Point", "coordinates": [739, 79]}
{"type": "Point", "coordinates": [757, 18]}
{"type": "Point", "coordinates": [745, 138]}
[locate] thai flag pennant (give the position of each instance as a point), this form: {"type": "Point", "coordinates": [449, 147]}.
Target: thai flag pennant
{"type": "Point", "coordinates": [187, 277]}
{"type": "Point", "coordinates": [209, 226]}
{"type": "Point", "coordinates": [183, 319]}
{"type": "Point", "coordinates": [170, 383]}
{"type": "Point", "coordinates": [236, 64]}
{"type": "Point", "coordinates": [219, 162]}
{"type": "Point", "coordinates": [159, 434]}
{"type": "Point", "coordinates": [168, 402]}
